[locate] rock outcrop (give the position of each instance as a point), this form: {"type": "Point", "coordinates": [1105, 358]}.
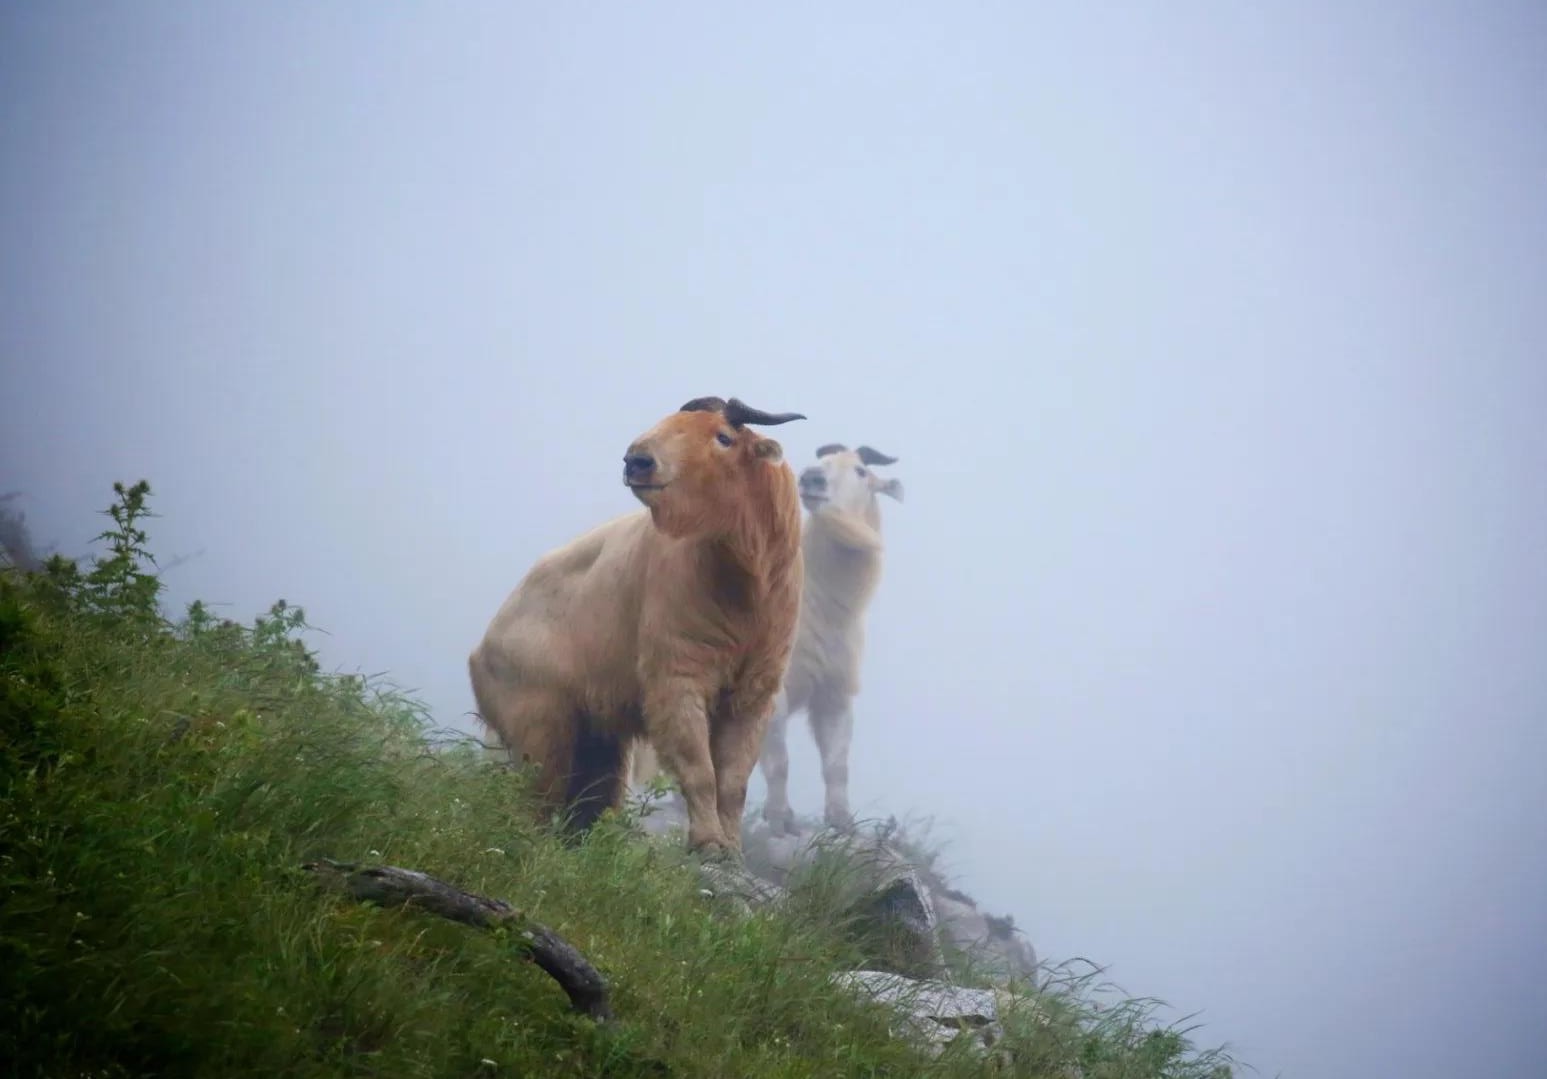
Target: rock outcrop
{"type": "Point", "coordinates": [918, 896]}
{"type": "Point", "coordinates": [916, 927]}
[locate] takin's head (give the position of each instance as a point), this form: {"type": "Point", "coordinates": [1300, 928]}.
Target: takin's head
{"type": "Point", "coordinates": [842, 481]}
{"type": "Point", "coordinates": [696, 468]}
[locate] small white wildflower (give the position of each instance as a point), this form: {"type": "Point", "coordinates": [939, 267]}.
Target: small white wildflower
{"type": "Point", "coordinates": [493, 850]}
{"type": "Point", "coordinates": [374, 853]}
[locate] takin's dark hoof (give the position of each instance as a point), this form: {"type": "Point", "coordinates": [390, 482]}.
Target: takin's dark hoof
{"type": "Point", "coordinates": [715, 850]}
{"type": "Point", "coordinates": [726, 857]}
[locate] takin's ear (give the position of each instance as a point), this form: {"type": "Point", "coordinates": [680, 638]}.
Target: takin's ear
{"type": "Point", "coordinates": [769, 450]}
{"type": "Point", "coordinates": [892, 487]}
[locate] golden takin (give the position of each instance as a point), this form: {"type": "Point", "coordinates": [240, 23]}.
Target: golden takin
{"type": "Point", "coordinates": [674, 622]}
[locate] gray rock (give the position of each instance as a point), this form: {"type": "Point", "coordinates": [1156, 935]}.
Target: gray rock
{"type": "Point", "coordinates": [899, 908]}
{"type": "Point", "coordinates": [781, 854]}
{"type": "Point", "coordinates": [933, 1012]}
{"type": "Point", "coordinates": [731, 883]}
{"type": "Point", "coordinates": [993, 942]}
{"type": "Point", "coordinates": [1008, 953]}
{"type": "Point", "coordinates": [938, 1014]}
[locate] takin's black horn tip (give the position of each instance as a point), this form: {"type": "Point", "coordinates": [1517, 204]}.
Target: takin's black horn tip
{"type": "Point", "coordinates": [739, 414]}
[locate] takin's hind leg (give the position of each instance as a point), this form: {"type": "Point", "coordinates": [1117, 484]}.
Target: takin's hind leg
{"type": "Point", "coordinates": [775, 765]}
{"type": "Point", "coordinates": [832, 724]}
{"type": "Point", "coordinates": [596, 778]}
{"type": "Point", "coordinates": [540, 730]}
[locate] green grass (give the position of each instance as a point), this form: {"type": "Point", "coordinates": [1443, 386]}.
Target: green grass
{"type": "Point", "coordinates": [161, 783]}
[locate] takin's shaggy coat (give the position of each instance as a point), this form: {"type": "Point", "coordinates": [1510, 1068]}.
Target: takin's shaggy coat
{"type": "Point", "coordinates": [674, 622]}
{"type": "Point", "coordinates": [842, 549]}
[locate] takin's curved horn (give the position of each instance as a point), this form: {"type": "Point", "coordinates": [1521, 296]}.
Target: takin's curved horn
{"type": "Point", "coordinates": [739, 415]}
{"type": "Point", "coordinates": [872, 457]}
{"type": "Point", "coordinates": [704, 404]}
{"type": "Point", "coordinates": [831, 447]}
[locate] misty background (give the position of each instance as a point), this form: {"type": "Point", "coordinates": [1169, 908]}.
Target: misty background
{"type": "Point", "coordinates": [1209, 337]}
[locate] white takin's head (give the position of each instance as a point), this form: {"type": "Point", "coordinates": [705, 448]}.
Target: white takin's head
{"type": "Point", "coordinates": [844, 481]}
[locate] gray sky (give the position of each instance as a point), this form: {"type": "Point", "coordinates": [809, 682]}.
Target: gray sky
{"type": "Point", "coordinates": [1209, 337]}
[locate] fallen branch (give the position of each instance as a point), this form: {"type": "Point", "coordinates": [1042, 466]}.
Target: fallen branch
{"type": "Point", "coordinates": [389, 886]}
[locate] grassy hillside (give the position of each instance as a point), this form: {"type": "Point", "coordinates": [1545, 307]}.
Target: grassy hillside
{"type": "Point", "coordinates": [163, 781]}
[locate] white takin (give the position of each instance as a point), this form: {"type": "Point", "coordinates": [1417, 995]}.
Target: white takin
{"type": "Point", "coordinates": [842, 545]}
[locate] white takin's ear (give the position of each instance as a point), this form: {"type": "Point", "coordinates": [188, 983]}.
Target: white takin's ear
{"type": "Point", "coordinates": [892, 487]}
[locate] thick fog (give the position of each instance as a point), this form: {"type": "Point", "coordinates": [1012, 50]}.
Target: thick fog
{"type": "Point", "coordinates": [1209, 337]}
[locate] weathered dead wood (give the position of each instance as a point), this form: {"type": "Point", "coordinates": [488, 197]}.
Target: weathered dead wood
{"type": "Point", "coordinates": [389, 886]}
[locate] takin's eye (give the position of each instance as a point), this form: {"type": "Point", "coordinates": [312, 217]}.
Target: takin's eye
{"type": "Point", "coordinates": [859, 471]}
{"type": "Point", "coordinates": [724, 439]}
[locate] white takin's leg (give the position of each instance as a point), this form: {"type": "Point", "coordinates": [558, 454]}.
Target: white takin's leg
{"type": "Point", "coordinates": [775, 765]}
{"type": "Point", "coordinates": [832, 723]}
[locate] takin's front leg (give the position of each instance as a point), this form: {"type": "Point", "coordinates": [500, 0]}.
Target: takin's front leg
{"type": "Point", "coordinates": [677, 724]}
{"type": "Point", "coordinates": [736, 738]}
{"type": "Point", "coordinates": [832, 723]}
